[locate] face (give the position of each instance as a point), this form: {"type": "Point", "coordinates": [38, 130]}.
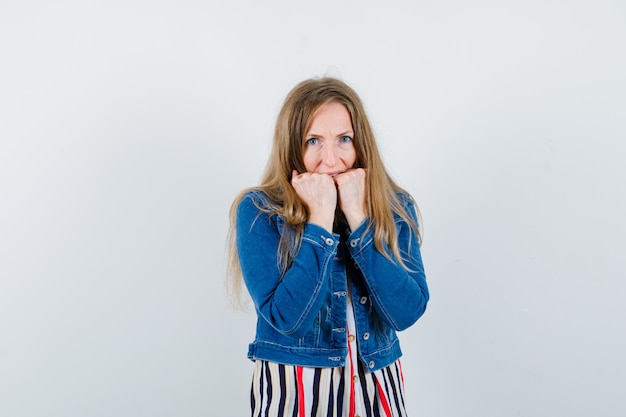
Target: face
{"type": "Point", "coordinates": [328, 147]}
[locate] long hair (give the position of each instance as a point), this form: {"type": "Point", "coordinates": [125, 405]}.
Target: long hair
{"type": "Point", "coordinates": [287, 153]}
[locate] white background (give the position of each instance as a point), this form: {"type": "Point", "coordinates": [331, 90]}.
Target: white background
{"type": "Point", "coordinates": [127, 128]}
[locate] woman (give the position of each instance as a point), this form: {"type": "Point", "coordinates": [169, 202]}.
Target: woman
{"type": "Point", "coordinates": [328, 248]}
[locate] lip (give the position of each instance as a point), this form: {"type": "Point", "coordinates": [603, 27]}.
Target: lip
{"type": "Point", "coordinates": [333, 174]}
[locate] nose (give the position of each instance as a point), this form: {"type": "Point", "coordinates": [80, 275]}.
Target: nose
{"type": "Point", "coordinates": [329, 154]}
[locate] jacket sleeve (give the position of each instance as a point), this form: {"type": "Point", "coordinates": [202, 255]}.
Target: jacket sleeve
{"type": "Point", "coordinates": [289, 303]}
{"type": "Point", "coordinates": [399, 295]}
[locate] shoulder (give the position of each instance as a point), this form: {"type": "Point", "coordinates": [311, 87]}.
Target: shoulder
{"type": "Point", "coordinates": [251, 202]}
{"type": "Point", "coordinates": [258, 198]}
{"type": "Point", "coordinates": [405, 201]}
{"type": "Point", "coordinates": [254, 196]}
{"type": "Point", "coordinates": [406, 206]}
{"type": "Point", "coordinates": [254, 203]}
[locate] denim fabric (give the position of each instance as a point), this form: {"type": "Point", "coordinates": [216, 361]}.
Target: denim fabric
{"type": "Point", "coordinates": [301, 315]}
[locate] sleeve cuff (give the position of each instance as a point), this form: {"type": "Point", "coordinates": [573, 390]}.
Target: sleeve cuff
{"type": "Point", "coordinates": [320, 237]}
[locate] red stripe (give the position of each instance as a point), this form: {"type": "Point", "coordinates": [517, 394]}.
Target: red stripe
{"type": "Point", "coordinates": [300, 391]}
{"type": "Point", "coordinates": [383, 399]}
{"type": "Point", "coordinates": [401, 373]}
{"type": "Point", "coordinates": [352, 394]}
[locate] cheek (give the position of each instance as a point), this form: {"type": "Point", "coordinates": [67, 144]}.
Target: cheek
{"type": "Point", "coordinates": [309, 161]}
{"type": "Point", "coordinates": [350, 158]}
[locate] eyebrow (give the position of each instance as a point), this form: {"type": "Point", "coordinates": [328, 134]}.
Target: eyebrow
{"type": "Point", "coordinates": [346, 133]}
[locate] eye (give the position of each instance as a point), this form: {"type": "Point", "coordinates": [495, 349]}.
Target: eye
{"type": "Point", "coordinates": [345, 139]}
{"type": "Point", "coordinates": [312, 141]}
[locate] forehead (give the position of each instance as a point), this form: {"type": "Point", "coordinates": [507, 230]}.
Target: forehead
{"type": "Point", "coordinates": [331, 115]}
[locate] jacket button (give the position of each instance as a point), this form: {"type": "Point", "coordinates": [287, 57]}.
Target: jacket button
{"type": "Point", "coordinates": [371, 364]}
{"type": "Point", "coordinates": [366, 336]}
{"type": "Point", "coordinates": [329, 241]}
{"type": "Point", "coordinates": [354, 242]}
{"type": "Point", "coordinates": [363, 300]}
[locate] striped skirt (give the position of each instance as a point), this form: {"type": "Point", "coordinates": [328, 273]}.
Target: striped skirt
{"type": "Point", "coordinates": [295, 391]}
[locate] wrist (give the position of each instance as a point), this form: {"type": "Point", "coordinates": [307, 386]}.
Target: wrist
{"type": "Point", "coordinates": [355, 219]}
{"type": "Point", "coordinates": [322, 220]}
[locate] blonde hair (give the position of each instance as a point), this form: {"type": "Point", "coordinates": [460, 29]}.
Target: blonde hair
{"type": "Point", "coordinates": [287, 153]}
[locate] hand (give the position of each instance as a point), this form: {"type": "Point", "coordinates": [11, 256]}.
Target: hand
{"type": "Point", "coordinates": [351, 187]}
{"type": "Point", "coordinates": [319, 194]}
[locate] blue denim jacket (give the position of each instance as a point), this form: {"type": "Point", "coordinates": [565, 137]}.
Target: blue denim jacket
{"type": "Point", "coordinates": [301, 314]}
